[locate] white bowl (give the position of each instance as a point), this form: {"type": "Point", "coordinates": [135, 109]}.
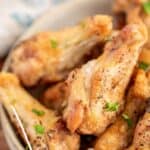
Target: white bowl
{"type": "Point", "coordinates": [59, 17]}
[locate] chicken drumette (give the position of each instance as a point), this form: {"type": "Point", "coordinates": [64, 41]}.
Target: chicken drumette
{"type": "Point", "coordinates": [50, 56]}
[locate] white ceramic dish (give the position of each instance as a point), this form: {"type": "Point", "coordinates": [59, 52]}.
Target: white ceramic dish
{"type": "Point", "coordinates": [61, 16]}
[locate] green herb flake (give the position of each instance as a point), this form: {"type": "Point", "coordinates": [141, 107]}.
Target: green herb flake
{"type": "Point", "coordinates": [112, 106]}
{"type": "Point", "coordinates": [54, 43]}
{"type": "Point", "coordinates": [127, 119]}
{"type": "Point", "coordinates": [38, 112]}
{"type": "Point", "coordinates": [143, 65]}
{"type": "Point", "coordinates": [39, 129]}
{"type": "Point", "coordinates": [146, 7]}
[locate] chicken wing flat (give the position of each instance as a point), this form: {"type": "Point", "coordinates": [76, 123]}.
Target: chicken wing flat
{"type": "Point", "coordinates": [142, 134]}
{"type": "Point", "coordinates": [50, 56]}
{"type": "Point", "coordinates": [119, 135]}
{"type": "Point", "coordinates": [100, 84]}
{"type": "Point", "coordinates": [43, 128]}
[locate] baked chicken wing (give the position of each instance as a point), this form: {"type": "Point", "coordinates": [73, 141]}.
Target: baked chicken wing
{"type": "Point", "coordinates": [50, 56]}
{"type": "Point", "coordinates": [55, 97]}
{"type": "Point", "coordinates": [100, 84]}
{"type": "Point", "coordinates": [133, 10]}
{"type": "Point", "coordinates": [43, 128]}
{"type": "Point", "coordinates": [142, 134]}
{"type": "Point", "coordinates": [119, 135]}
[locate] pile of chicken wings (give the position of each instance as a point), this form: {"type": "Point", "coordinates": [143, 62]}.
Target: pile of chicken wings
{"type": "Point", "coordinates": [95, 80]}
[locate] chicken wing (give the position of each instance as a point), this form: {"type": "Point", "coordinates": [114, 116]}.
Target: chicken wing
{"type": "Point", "coordinates": [55, 97]}
{"type": "Point", "coordinates": [50, 56]}
{"type": "Point", "coordinates": [145, 56]}
{"type": "Point", "coordinates": [123, 128]}
{"type": "Point", "coordinates": [100, 84]}
{"type": "Point", "coordinates": [142, 134]}
{"type": "Point", "coordinates": [43, 128]}
{"type": "Point", "coordinates": [134, 9]}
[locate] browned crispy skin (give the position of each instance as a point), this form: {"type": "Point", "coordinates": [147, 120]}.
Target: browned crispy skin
{"type": "Point", "coordinates": [145, 55]}
{"type": "Point", "coordinates": [119, 135]}
{"type": "Point", "coordinates": [103, 81]}
{"type": "Point", "coordinates": [142, 134]}
{"type": "Point", "coordinates": [53, 137]}
{"type": "Point", "coordinates": [50, 56]}
{"type": "Point", "coordinates": [55, 97]}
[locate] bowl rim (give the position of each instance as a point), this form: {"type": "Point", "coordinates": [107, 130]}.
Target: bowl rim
{"type": "Point", "coordinates": [9, 133]}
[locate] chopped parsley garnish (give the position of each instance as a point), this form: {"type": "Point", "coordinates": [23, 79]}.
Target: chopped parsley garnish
{"type": "Point", "coordinates": [146, 7]}
{"type": "Point", "coordinates": [38, 112]}
{"type": "Point", "coordinates": [112, 106]}
{"type": "Point", "coordinates": [54, 43]}
{"type": "Point", "coordinates": [143, 65]}
{"type": "Point", "coordinates": [39, 129]}
{"type": "Point", "coordinates": [127, 119]}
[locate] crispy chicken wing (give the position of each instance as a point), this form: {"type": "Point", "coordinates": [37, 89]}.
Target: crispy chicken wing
{"type": "Point", "coordinates": [55, 97]}
{"type": "Point", "coordinates": [119, 135]}
{"type": "Point", "coordinates": [133, 10]}
{"type": "Point", "coordinates": [43, 128]}
{"type": "Point", "coordinates": [142, 134]}
{"type": "Point", "coordinates": [50, 56]}
{"type": "Point", "coordinates": [125, 5]}
{"type": "Point", "coordinates": [101, 83]}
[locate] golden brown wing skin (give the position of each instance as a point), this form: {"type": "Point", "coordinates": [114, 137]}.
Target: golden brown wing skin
{"type": "Point", "coordinates": [55, 97]}
{"type": "Point", "coordinates": [43, 128]}
{"type": "Point", "coordinates": [103, 81]}
{"type": "Point", "coordinates": [119, 135]}
{"type": "Point", "coordinates": [51, 55]}
{"type": "Point", "coordinates": [142, 134]}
